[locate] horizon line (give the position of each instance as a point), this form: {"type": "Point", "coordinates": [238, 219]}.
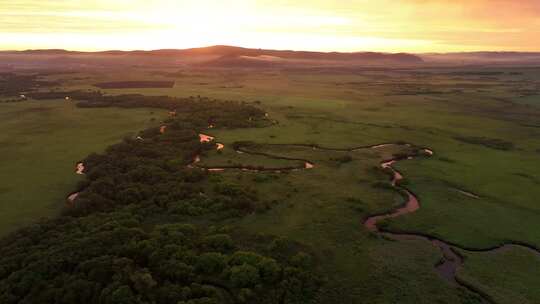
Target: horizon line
{"type": "Point", "coordinates": [253, 48]}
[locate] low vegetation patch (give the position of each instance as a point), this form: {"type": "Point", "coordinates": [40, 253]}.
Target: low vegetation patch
{"type": "Point", "coordinates": [492, 143]}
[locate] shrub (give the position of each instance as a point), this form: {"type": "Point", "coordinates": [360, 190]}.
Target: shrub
{"type": "Point", "coordinates": [219, 242]}
{"type": "Point", "coordinates": [244, 276]}
{"type": "Point", "coordinates": [211, 263]}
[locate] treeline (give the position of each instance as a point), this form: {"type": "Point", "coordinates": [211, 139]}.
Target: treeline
{"type": "Point", "coordinates": [216, 112]}
{"type": "Point", "coordinates": [146, 228]}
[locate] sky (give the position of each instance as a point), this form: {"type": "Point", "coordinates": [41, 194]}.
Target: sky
{"type": "Point", "coordinates": [318, 25]}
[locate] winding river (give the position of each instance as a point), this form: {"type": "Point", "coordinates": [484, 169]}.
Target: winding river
{"type": "Point", "coordinates": [205, 138]}
{"type": "Point", "coordinates": [450, 261]}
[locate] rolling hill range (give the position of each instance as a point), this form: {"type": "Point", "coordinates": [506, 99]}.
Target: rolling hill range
{"type": "Point", "coordinates": [214, 56]}
{"type": "Point", "coordinates": [483, 58]}
{"type": "Point", "coordinates": [222, 56]}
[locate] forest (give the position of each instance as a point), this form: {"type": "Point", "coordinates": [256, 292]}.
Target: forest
{"type": "Point", "coordinates": [146, 228]}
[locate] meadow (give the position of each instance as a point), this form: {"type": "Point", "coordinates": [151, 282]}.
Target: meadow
{"type": "Point", "coordinates": [40, 145]}
{"type": "Point", "coordinates": [478, 191]}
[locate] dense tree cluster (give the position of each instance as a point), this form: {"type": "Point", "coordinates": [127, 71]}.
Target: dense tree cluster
{"type": "Point", "coordinates": [12, 84]}
{"type": "Point", "coordinates": [146, 228]}
{"type": "Point", "coordinates": [50, 95]}
{"type": "Point", "coordinates": [113, 258]}
{"type": "Point", "coordinates": [153, 169]}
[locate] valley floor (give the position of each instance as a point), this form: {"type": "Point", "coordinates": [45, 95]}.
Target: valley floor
{"type": "Point", "coordinates": [477, 192]}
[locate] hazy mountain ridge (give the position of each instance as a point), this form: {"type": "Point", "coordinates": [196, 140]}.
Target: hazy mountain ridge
{"type": "Point", "coordinates": [222, 55]}
{"type": "Point", "coordinates": [483, 57]}
{"type": "Point", "coordinates": [223, 50]}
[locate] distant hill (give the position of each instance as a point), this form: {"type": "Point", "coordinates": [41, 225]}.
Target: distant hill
{"type": "Point", "coordinates": [223, 56]}
{"type": "Point", "coordinates": [229, 51]}
{"type": "Point", "coordinates": [483, 57]}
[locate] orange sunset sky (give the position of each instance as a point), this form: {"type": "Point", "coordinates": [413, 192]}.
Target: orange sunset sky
{"type": "Point", "coordinates": [355, 25]}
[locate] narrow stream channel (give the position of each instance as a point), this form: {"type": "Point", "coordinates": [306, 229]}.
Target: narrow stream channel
{"type": "Point", "coordinates": [204, 138]}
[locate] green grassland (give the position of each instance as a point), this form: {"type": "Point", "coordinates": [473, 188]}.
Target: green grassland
{"type": "Point", "coordinates": [502, 274]}
{"type": "Point", "coordinates": [324, 207]}
{"type": "Point", "coordinates": [40, 144]}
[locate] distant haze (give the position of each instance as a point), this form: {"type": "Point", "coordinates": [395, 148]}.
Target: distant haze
{"type": "Point", "coordinates": [317, 25]}
{"type": "Point", "coordinates": [222, 56]}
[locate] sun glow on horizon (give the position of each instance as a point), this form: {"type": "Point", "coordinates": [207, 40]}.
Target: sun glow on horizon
{"type": "Point", "coordinates": [358, 25]}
